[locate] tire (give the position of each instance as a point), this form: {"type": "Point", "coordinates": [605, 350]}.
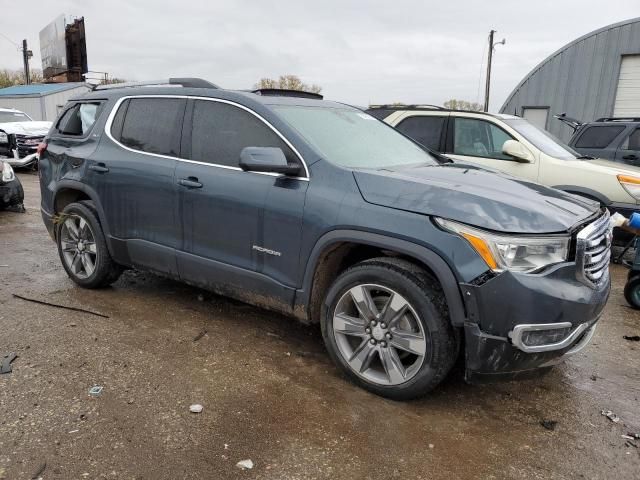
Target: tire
{"type": "Point", "coordinates": [632, 291]}
{"type": "Point", "coordinates": [83, 251]}
{"type": "Point", "coordinates": [423, 339]}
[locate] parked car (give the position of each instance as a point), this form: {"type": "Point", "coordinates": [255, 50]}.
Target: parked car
{"type": "Point", "coordinates": [513, 145]}
{"type": "Point", "coordinates": [616, 139]}
{"type": "Point", "coordinates": [11, 193]}
{"type": "Point", "coordinates": [317, 210]}
{"type": "Point", "coordinates": [19, 137]}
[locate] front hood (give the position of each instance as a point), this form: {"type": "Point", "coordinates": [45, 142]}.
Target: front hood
{"type": "Point", "coordinates": [26, 128]}
{"type": "Point", "coordinates": [607, 166]}
{"type": "Point", "coordinates": [476, 197]}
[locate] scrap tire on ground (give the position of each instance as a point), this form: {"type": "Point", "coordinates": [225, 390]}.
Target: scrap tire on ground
{"type": "Point", "coordinates": [427, 320]}
{"type": "Point", "coordinates": [632, 291]}
{"type": "Point", "coordinates": [99, 270]}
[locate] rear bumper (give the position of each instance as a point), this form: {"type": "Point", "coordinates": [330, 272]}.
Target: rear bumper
{"type": "Point", "coordinates": [504, 310]}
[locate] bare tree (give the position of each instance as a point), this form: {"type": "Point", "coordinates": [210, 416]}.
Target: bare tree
{"type": "Point", "coordinates": [9, 78]}
{"type": "Point", "coordinates": [287, 82]}
{"type": "Point", "coordinates": [454, 104]}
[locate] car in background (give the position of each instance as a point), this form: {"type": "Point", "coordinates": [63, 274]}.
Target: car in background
{"type": "Point", "coordinates": [616, 139]}
{"type": "Point", "coordinates": [513, 145]}
{"type": "Point", "coordinates": [20, 136]}
{"type": "Point", "coordinates": [11, 193]}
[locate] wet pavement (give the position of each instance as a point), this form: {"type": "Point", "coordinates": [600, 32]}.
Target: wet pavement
{"type": "Point", "coordinates": [269, 392]}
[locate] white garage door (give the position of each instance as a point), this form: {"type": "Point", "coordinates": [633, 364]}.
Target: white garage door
{"type": "Point", "coordinates": [628, 94]}
{"type": "Point", "coordinates": [537, 116]}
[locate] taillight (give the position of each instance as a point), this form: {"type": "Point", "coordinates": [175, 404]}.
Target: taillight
{"type": "Point", "coordinates": [42, 147]}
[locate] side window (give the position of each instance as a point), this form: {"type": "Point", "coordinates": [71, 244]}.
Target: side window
{"type": "Point", "coordinates": [598, 137]}
{"type": "Point", "coordinates": [425, 130]}
{"type": "Point", "coordinates": [79, 119]}
{"type": "Point", "coordinates": [153, 125]}
{"type": "Point", "coordinates": [479, 138]}
{"type": "Point", "coordinates": [632, 142]}
{"type": "Point", "coordinates": [220, 132]}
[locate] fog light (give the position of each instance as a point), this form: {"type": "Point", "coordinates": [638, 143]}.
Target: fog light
{"type": "Point", "coordinates": [534, 338]}
{"type": "Point", "coordinates": [544, 337]}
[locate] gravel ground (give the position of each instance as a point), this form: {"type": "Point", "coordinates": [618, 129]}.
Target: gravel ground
{"type": "Point", "coordinates": [269, 392]}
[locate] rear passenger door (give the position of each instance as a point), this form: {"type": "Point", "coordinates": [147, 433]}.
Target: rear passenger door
{"type": "Point", "coordinates": [241, 230]}
{"type": "Point", "coordinates": [133, 175]}
{"type": "Point", "coordinates": [629, 151]}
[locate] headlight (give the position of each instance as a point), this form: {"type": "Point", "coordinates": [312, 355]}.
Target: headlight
{"type": "Point", "coordinates": [7, 172]}
{"type": "Point", "coordinates": [631, 185]}
{"type": "Point", "coordinates": [4, 138]}
{"type": "Point", "coordinates": [515, 253]}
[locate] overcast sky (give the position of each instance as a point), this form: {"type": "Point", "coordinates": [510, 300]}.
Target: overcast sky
{"type": "Point", "coordinates": [360, 52]}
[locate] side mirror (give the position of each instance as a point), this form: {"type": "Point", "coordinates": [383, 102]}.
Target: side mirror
{"type": "Point", "coordinates": [518, 151]}
{"type": "Point", "coordinates": [266, 159]}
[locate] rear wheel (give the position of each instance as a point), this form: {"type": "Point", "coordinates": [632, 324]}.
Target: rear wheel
{"type": "Point", "coordinates": [83, 249]}
{"type": "Point", "coordinates": [386, 324]}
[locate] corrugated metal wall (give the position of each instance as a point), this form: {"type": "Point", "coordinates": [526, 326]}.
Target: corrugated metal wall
{"type": "Point", "coordinates": [42, 108]}
{"type": "Point", "coordinates": [580, 79]}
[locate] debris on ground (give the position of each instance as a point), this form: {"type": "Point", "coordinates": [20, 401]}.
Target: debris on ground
{"type": "Point", "coordinates": [202, 333]}
{"type": "Point", "coordinates": [5, 362]}
{"type": "Point", "coordinates": [96, 390]}
{"type": "Point", "coordinates": [610, 415]}
{"type": "Point", "coordinates": [39, 471]}
{"type": "Point", "coordinates": [634, 338]}
{"type": "Point", "coordinates": [245, 465]}
{"type": "Point", "coordinates": [56, 305]}
{"type": "Point", "coordinates": [635, 436]}
{"type": "Point", "coordinates": [196, 408]}
{"type": "Point", "coordinates": [549, 424]}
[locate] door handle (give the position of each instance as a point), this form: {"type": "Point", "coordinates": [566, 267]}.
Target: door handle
{"type": "Point", "coordinates": [630, 157]}
{"type": "Point", "coordinates": [190, 182]}
{"type": "Point", "coordinates": [100, 168]}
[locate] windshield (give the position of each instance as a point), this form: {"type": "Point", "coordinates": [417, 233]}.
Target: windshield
{"type": "Point", "coordinates": [352, 138]}
{"type": "Point", "coordinates": [6, 117]}
{"type": "Point", "coordinates": [543, 140]}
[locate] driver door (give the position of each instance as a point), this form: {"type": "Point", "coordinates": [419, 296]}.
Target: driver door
{"type": "Point", "coordinates": [479, 141]}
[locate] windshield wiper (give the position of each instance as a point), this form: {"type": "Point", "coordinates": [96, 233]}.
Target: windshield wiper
{"type": "Point", "coordinates": [586, 157]}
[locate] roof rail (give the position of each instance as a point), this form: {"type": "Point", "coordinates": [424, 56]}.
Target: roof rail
{"type": "Point", "coordinates": [618, 119]}
{"type": "Point", "coordinates": [284, 92]}
{"type": "Point", "coordinates": [424, 106]}
{"type": "Point", "coordinates": [175, 82]}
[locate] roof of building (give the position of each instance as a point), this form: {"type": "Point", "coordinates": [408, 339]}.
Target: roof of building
{"type": "Point", "coordinates": [38, 89]}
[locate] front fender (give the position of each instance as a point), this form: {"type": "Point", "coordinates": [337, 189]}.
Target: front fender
{"type": "Point", "coordinates": [424, 255]}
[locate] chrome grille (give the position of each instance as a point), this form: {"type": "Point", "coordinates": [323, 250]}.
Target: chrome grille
{"type": "Point", "coordinates": [593, 252]}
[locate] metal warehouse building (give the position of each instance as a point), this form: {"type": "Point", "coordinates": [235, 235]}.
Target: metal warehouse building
{"type": "Point", "coordinates": [41, 101]}
{"type": "Point", "coordinates": [595, 76]}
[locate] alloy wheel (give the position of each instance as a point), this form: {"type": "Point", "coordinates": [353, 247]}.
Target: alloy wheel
{"type": "Point", "coordinates": [78, 246]}
{"type": "Point", "coordinates": [379, 334]}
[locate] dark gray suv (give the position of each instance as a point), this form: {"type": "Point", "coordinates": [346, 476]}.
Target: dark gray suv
{"type": "Point", "coordinates": [320, 211]}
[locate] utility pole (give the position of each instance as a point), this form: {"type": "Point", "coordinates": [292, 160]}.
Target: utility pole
{"type": "Point", "coordinates": [26, 55]}
{"type": "Point", "coordinates": [487, 85]}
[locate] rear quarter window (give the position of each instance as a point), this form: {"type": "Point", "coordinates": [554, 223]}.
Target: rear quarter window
{"type": "Point", "coordinates": [598, 136]}
{"type": "Point", "coordinates": [78, 120]}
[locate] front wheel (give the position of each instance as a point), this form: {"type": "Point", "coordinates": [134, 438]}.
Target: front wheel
{"type": "Point", "coordinates": [386, 324]}
{"type": "Point", "coordinates": [83, 248]}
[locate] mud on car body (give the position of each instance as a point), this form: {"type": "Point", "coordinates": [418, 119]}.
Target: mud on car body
{"type": "Point", "coordinates": [320, 211]}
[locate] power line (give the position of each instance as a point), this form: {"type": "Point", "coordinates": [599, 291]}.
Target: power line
{"type": "Point", "coordinates": [10, 41]}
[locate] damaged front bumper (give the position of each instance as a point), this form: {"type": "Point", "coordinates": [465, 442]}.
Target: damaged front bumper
{"type": "Point", "coordinates": [11, 193]}
{"type": "Point", "coordinates": [518, 325]}
{"type": "Point", "coordinates": [21, 150]}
